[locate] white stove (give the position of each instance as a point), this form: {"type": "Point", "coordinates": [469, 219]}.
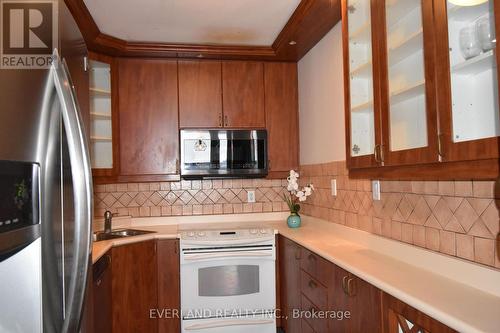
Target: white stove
{"type": "Point", "coordinates": [228, 280]}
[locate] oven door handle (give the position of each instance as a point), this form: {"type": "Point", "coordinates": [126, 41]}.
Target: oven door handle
{"type": "Point", "coordinates": [225, 323]}
{"type": "Point", "coordinates": [219, 255]}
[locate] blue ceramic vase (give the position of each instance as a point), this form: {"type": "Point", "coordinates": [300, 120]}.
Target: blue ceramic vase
{"type": "Point", "coordinates": [293, 220]}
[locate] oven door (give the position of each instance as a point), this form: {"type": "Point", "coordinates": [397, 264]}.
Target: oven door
{"type": "Point", "coordinates": [217, 284]}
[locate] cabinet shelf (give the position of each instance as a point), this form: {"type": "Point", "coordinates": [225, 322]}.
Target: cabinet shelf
{"type": "Point", "coordinates": [467, 13]}
{"type": "Point", "coordinates": [405, 48]}
{"type": "Point", "coordinates": [406, 93]}
{"type": "Point", "coordinates": [362, 34]}
{"type": "Point", "coordinates": [101, 116]}
{"type": "Point", "coordinates": [362, 107]}
{"type": "Point", "coordinates": [101, 139]}
{"type": "Point", "coordinates": [100, 92]}
{"type": "Point", "coordinates": [398, 9]}
{"type": "Point", "coordinates": [475, 65]}
{"type": "Point", "coordinates": [363, 71]}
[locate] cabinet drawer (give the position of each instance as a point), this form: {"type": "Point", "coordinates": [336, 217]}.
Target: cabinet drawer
{"type": "Point", "coordinates": [317, 267]}
{"type": "Point", "coordinates": [314, 291]}
{"type": "Point", "coordinates": [318, 325]}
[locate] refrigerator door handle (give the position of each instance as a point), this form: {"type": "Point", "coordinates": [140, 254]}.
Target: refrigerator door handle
{"type": "Point", "coordinates": [82, 192]}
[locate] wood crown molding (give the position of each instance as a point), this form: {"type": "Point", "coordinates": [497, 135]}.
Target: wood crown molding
{"type": "Point", "coordinates": [311, 21]}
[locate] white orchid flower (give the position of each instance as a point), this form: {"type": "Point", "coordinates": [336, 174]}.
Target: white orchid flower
{"type": "Point", "coordinates": [307, 190]}
{"type": "Point", "coordinates": [300, 194]}
{"type": "Point", "coordinates": [303, 198]}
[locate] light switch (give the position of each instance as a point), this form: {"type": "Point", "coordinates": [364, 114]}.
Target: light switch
{"type": "Point", "coordinates": [251, 196]}
{"type": "Point", "coordinates": [334, 187]}
{"type": "Point", "coordinates": [376, 190]}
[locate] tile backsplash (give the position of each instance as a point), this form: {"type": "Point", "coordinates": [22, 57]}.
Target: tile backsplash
{"type": "Point", "coordinates": [457, 218]}
{"type": "Point", "coordinates": [188, 197]}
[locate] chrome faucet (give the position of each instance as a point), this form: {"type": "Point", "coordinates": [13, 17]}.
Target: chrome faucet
{"type": "Point", "coordinates": [108, 216]}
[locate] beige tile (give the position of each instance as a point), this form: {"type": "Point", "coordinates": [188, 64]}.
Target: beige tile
{"type": "Point", "coordinates": [484, 251]}
{"type": "Point", "coordinates": [257, 207]}
{"type": "Point", "coordinates": [483, 189]}
{"type": "Point", "coordinates": [465, 246]}
{"type": "Point", "coordinates": [479, 229]}
{"type": "Point", "coordinates": [187, 210]}
{"type": "Point", "coordinates": [431, 187]}
{"type": "Point", "coordinates": [387, 228]}
{"type": "Point", "coordinates": [121, 187]}
{"type": "Point", "coordinates": [276, 206]}
{"type": "Point", "coordinates": [447, 242]}
{"type": "Point", "coordinates": [466, 215]}
{"type": "Point", "coordinates": [166, 210]}
{"type": "Point", "coordinates": [377, 225]}
{"type": "Point", "coordinates": [144, 211]}
{"type": "Point", "coordinates": [446, 188]}
{"type": "Point", "coordinates": [154, 186]}
{"type": "Point", "coordinates": [418, 187]}
{"type": "Point", "coordinates": [218, 209]}
{"type": "Point", "coordinates": [432, 239]}
{"type": "Point", "coordinates": [196, 185]}
{"type": "Point", "coordinates": [227, 208]}
{"type": "Point", "coordinates": [197, 209]}
{"type": "Point", "coordinates": [407, 233]}
{"type": "Point", "coordinates": [155, 211]}
{"type": "Point", "coordinates": [419, 235]}
{"type": "Point", "coordinates": [208, 209]}
{"type": "Point", "coordinates": [143, 187]}
{"type": "Point", "coordinates": [396, 232]}
{"type": "Point", "coordinates": [165, 186]}
{"type": "Point", "coordinates": [247, 208]}
{"type": "Point", "coordinates": [491, 218]}
{"type": "Point", "coordinates": [111, 188]}
{"type": "Point", "coordinates": [100, 188]}
{"type": "Point", "coordinates": [134, 211]}
{"type": "Point", "coordinates": [463, 188]}
{"type": "Point", "coordinates": [132, 187]}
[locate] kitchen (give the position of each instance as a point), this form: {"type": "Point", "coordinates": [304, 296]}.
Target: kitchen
{"type": "Point", "coordinates": [242, 166]}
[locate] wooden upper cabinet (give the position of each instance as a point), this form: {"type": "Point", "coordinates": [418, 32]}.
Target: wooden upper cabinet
{"type": "Point", "coordinates": [407, 81]}
{"type": "Point", "coordinates": [149, 143]}
{"type": "Point", "coordinates": [134, 287]}
{"type": "Point", "coordinates": [200, 94]}
{"type": "Point", "coordinates": [362, 101]}
{"type": "Point", "coordinates": [281, 105]}
{"type": "Point", "coordinates": [243, 94]}
{"type": "Point", "coordinates": [468, 81]}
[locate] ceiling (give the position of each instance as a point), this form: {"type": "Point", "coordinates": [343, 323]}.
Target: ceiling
{"type": "Point", "coordinates": [225, 22]}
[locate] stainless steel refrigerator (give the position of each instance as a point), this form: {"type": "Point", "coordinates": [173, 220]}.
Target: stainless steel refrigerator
{"type": "Point", "coordinates": [45, 189]}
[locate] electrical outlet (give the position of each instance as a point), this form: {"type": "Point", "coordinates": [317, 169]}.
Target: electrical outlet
{"type": "Point", "coordinates": [376, 190]}
{"type": "Point", "coordinates": [334, 187]}
{"type": "Point", "coordinates": [251, 196]}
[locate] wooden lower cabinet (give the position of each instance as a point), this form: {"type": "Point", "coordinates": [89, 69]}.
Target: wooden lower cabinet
{"type": "Point", "coordinates": [101, 294]}
{"type": "Point", "coordinates": [169, 297]}
{"type": "Point", "coordinates": [289, 272]}
{"type": "Point", "coordinates": [402, 318]}
{"type": "Point", "coordinates": [134, 287]}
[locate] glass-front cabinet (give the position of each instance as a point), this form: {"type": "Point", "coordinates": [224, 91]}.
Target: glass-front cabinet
{"type": "Point", "coordinates": [421, 83]}
{"type": "Point", "coordinates": [361, 112]}
{"type": "Point", "coordinates": [468, 95]}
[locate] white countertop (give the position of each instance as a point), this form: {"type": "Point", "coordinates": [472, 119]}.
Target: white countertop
{"type": "Point", "coordinates": [460, 294]}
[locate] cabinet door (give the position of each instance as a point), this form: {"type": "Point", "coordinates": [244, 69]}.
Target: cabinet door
{"type": "Point", "coordinates": [134, 287]}
{"type": "Point", "coordinates": [200, 94]}
{"type": "Point", "coordinates": [281, 104]}
{"type": "Point", "coordinates": [468, 73]}
{"type": "Point", "coordinates": [101, 293]}
{"type": "Point", "coordinates": [169, 285]}
{"type": "Point", "coordinates": [243, 94]}
{"type": "Point", "coordinates": [149, 144]}
{"type": "Point", "coordinates": [360, 70]}
{"type": "Point", "coordinates": [402, 318]}
{"type": "Point", "coordinates": [289, 262]}
{"type": "Point", "coordinates": [361, 299]}
{"type": "Point", "coordinates": [409, 116]}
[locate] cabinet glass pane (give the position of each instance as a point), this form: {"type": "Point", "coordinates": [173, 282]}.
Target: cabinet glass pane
{"type": "Point", "coordinates": [361, 78]}
{"type": "Point", "coordinates": [101, 145]}
{"type": "Point", "coordinates": [407, 108]}
{"type": "Point", "coordinates": [471, 33]}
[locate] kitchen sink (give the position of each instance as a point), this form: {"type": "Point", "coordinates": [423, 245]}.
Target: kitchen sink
{"type": "Point", "coordinates": [120, 233]}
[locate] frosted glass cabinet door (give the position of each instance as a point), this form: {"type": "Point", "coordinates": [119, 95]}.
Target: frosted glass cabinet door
{"type": "Point", "coordinates": [360, 66]}
{"type": "Point", "coordinates": [468, 84]}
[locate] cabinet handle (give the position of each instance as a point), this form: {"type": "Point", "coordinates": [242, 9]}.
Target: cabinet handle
{"type": "Point", "coordinates": [269, 164]}
{"type": "Point", "coordinates": [297, 254]}
{"type": "Point", "coordinates": [98, 282]}
{"type": "Point", "coordinates": [312, 284]}
{"type": "Point", "coordinates": [176, 165]}
{"type": "Point", "coordinates": [440, 145]}
{"type": "Point", "coordinates": [312, 257]}
{"type": "Point", "coordinates": [350, 289]}
{"type": "Point", "coordinates": [344, 283]}
{"type": "Point", "coordinates": [220, 119]}
{"type": "Point", "coordinates": [226, 122]}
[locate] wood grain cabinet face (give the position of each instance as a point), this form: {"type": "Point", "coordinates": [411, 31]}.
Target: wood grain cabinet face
{"type": "Point", "coordinates": [281, 106]}
{"type": "Point", "coordinates": [200, 94]}
{"type": "Point", "coordinates": [168, 284]}
{"type": "Point", "coordinates": [134, 287]}
{"type": "Point", "coordinates": [149, 140]}
{"type": "Point", "coordinates": [400, 317]}
{"type": "Point", "coordinates": [243, 94]}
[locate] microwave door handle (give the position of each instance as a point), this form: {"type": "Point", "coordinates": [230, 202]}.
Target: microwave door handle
{"type": "Point", "coordinates": [226, 323]}
{"type": "Point", "coordinates": [82, 192]}
{"type": "Point", "coordinates": [194, 257]}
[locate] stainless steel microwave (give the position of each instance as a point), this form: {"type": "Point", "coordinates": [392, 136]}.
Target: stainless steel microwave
{"type": "Point", "coordinates": [223, 153]}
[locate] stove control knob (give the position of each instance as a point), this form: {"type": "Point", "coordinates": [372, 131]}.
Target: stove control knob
{"type": "Point", "coordinates": [263, 231]}
{"type": "Point", "coordinates": [190, 234]}
{"type": "Point", "coordinates": [201, 233]}
{"type": "Point", "coordinates": [253, 231]}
